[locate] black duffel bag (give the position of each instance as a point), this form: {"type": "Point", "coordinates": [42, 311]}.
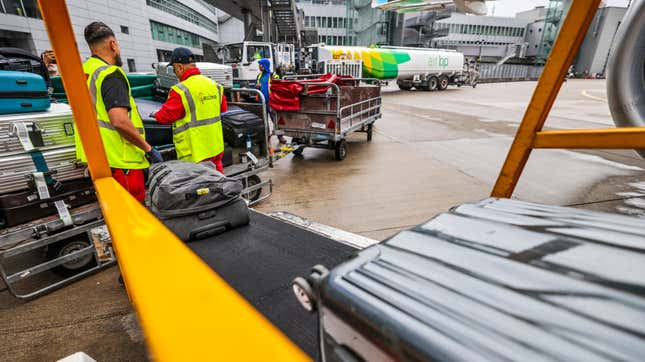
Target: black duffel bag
{"type": "Point", "coordinates": [194, 200]}
{"type": "Point", "coordinates": [237, 124]}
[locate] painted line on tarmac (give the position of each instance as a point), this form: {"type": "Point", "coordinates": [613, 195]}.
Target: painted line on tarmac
{"type": "Point", "coordinates": [586, 94]}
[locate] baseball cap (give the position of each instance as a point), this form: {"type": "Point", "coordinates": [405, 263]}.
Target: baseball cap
{"type": "Point", "coordinates": [182, 56]}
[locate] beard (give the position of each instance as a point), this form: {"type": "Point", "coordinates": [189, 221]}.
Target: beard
{"type": "Point", "coordinates": [118, 61]}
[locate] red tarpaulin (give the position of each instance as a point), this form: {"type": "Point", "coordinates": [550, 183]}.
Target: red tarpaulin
{"type": "Point", "coordinates": [284, 93]}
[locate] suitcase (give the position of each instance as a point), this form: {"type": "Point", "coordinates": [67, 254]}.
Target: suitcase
{"type": "Point", "coordinates": [24, 206]}
{"type": "Point", "coordinates": [37, 131]}
{"type": "Point", "coordinates": [156, 134]}
{"type": "Point", "coordinates": [227, 159]}
{"type": "Point", "coordinates": [498, 280]}
{"type": "Point", "coordinates": [22, 92]}
{"type": "Point", "coordinates": [16, 170]}
{"type": "Point", "coordinates": [237, 124]}
{"type": "Point", "coordinates": [194, 200]}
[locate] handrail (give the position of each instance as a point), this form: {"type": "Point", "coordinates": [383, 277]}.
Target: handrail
{"type": "Point", "coordinates": [188, 312]}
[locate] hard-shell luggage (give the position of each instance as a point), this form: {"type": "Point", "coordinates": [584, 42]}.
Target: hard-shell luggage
{"type": "Point", "coordinates": [60, 164]}
{"type": "Point", "coordinates": [497, 280]}
{"type": "Point", "coordinates": [51, 129]}
{"type": "Point", "coordinates": [156, 134]}
{"type": "Point", "coordinates": [22, 92]}
{"type": "Point", "coordinates": [227, 158]}
{"type": "Point", "coordinates": [194, 200]}
{"type": "Point", "coordinates": [24, 206]}
{"type": "Point", "coordinates": [237, 124]}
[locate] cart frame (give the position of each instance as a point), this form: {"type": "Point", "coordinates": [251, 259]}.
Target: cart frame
{"type": "Point", "coordinates": [355, 117]}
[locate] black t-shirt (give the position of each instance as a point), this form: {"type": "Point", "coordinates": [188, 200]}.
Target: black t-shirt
{"type": "Point", "coordinates": [115, 91]}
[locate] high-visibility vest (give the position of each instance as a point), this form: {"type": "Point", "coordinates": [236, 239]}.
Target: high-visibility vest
{"type": "Point", "coordinates": [257, 82]}
{"type": "Point", "coordinates": [120, 153]}
{"type": "Point", "coordinates": [198, 135]}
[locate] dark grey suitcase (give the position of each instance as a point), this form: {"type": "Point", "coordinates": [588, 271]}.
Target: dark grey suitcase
{"type": "Point", "coordinates": [499, 280]}
{"type": "Point", "coordinates": [194, 200]}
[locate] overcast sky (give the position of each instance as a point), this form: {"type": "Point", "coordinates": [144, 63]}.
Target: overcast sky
{"type": "Point", "coordinates": [510, 7]}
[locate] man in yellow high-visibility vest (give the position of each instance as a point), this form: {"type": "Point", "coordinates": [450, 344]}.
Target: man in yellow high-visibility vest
{"type": "Point", "coordinates": [193, 108]}
{"type": "Point", "coordinates": [120, 124]}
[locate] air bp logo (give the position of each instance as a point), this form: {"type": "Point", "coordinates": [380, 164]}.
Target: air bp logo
{"type": "Point", "coordinates": [203, 97]}
{"type": "Point", "coordinates": [438, 61]}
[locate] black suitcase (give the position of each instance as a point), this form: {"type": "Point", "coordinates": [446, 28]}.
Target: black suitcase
{"type": "Point", "coordinates": [156, 134]}
{"type": "Point", "coordinates": [194, 200]}
{"type": "Point", "coordinates": [24, 206]}
{"type": "Point", "coordinates": [499, 280]}
{"type": "Point", "coordinates": [227, 159]}
{"type": "Point", "coordinates": [237, 124]}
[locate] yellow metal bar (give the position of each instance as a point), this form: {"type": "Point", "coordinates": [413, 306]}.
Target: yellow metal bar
{"type": "Point", "coordinates": [188, 313]}
{"type": "Point", "coordinates": [619, 138]}
{"type": "Point", "coordinates": [566, 45]}
{"type": "Point", "coordinates": [70, 67]}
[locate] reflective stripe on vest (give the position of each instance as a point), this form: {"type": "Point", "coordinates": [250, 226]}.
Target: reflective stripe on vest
{"type": "Point", "coordinates": [198, 135]}
{"type": "Point", "coordinates": [120, 153]}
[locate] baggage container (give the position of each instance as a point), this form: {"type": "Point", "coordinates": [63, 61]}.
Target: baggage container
{"type": "Point", "coordinates": [23, 206]}
{"type": "Point", "coordinates": [498, 280]}
{"type": "Point", "coordinates": [22, 92]}
{"type": "Point", "coordinates": [52, 129]}
{"type": "Point", "coordinates": [17, 170]}
{"type": "Point", "coordinates": [194, 200]}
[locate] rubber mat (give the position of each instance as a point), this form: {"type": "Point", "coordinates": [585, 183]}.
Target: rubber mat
{"type": "Point", "coordinates": [260, 261]}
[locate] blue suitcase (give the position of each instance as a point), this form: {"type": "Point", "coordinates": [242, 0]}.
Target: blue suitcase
{"type": "Point", "coordinates": [22, 92]}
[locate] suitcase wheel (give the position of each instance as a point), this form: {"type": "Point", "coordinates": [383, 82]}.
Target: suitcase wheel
{"type": "Point", "coordinates": [304, 293]}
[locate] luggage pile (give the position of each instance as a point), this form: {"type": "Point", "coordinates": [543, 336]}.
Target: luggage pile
{"type": "Point", "coordinates": [194, 200]}
{"type": "Point", "coordinates": [39, 174]}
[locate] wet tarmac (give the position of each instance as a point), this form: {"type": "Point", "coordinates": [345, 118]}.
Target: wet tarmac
{"type": "Point", "coordinates": [431, 151]}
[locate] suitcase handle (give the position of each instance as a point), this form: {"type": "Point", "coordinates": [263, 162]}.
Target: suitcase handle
{"type": "Point", "coordinates": [26, 105]}
{"type": "Point", "coordinates": [21, 81]}
{"type": "Point", "coordinates": [208, 230]}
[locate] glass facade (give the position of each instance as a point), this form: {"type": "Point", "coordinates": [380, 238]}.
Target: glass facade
{"type": "Point", "coordinates": [167, 33]}
{"type": "Point", "coordinates": [337, 39]}
{"type": "Point", "coordinates": [182, 11]}
{"type": "Point", "coordinates": [491, 30]}
{"type": "Point", "coordinates": [27, 8]}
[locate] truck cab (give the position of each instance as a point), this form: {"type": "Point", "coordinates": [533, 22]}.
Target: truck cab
{"type": "Point", "coordinates": [166, 78]}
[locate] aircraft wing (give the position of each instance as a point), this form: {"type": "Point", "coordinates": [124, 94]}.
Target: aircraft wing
{"type": "Point", "coordinates": [477, 7]}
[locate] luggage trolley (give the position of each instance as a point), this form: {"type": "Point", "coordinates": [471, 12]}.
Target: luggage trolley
{"type": "Point", "coordinates": [247, 165]}
{"type": "Point", "coordinates": [324, 120]}
{"type": "Point", "coordinates": [72, 246]}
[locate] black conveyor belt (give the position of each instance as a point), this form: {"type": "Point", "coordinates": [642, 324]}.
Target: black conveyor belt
{"type": "Point", "coordinates": [260, 261]}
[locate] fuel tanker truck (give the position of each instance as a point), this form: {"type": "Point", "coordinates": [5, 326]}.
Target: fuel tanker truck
{"type": "Point", "coordinates": [420, 68]}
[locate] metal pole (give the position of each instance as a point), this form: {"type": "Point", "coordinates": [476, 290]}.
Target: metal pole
{"type": "Point", "coordinates": [564, 50]}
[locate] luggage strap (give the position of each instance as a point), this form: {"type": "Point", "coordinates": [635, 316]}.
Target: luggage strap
{"type": "Point", "coordinates": [41, 166]}
{"type": "Point", "coordinates": [63, 212]}
{"type": "Point", "coordinates": [21, 131]}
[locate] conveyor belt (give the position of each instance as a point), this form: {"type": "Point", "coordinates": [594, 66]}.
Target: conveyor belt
{"type": "Point", "coordinates": [261, 260]}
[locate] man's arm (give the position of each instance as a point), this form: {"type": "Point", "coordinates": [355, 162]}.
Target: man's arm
{"type": "Point", "coordinates": [172, 110]}
{"type": "Point", "coordinates": [117, 102]}
{"type": "Point", "coordinates": [120, 119]}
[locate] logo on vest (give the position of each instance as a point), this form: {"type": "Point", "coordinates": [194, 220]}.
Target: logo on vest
{"type": "Point", "coordinates": [203, 97]}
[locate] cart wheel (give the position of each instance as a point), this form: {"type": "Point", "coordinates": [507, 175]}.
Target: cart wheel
{"type": "Point", "coordinates": [341, 150]}
{"type": "Point", "coordinates": [304, 293]}
{"type": "Point", "coordinates": [252, 181]}
{"type": "Point", "coordinates": [370, 132]}
{"type": "Point", "coordinates": [73, 266]}
{"type": "Point", "coordinates": [298, 151]}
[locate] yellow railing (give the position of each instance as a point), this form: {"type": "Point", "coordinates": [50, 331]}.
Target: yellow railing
{"type": "Point", "coordinates": [188, 312]}
{"type": "Point", "coordinates": [530, 134]}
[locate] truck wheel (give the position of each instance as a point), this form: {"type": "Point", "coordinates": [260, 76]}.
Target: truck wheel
{"type": "Point", "coordinates": [340, 150]}
{"type": "Point", "coordinates": [252, 181]}
{"type": "Point", "coordinates": [443, 82]}
{"type": "Point", "coordinates": [298, 151]}
{"type": "Point", "coordinates": [403, 86]}
{"type": "Point", "coordinates": [433, 83]}
{"type": "Point", "coordinates": [370, 132]}
{"type": "Point", "coordinates": [474, 83]}
{"type": "Point", "coordinates": [73, 266]}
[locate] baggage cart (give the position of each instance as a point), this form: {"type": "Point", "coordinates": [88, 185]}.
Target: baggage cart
{"type": "Point", "coordinates": [72, 244]}
{"type": "Point", "coordinates": [324, 120]}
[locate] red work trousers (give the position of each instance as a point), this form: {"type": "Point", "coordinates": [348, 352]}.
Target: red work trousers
{"type": "Point", "coordinates": [217, 161]}
{"type": "Point", "coordinates": [132, 181]}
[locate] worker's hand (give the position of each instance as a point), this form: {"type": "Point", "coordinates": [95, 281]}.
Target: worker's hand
{"type": "Point", "coordinates": [154, 156]}
{"type": "Point", "coordinates": [152, 114]}
{"type": "Point", "coordinates": [258, 86]}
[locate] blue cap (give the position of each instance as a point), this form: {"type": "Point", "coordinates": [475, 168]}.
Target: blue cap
{"type": "Point", "coordinates": [182, 56]}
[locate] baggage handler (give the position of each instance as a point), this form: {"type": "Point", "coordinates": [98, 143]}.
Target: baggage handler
{"type": "Point", "coordinates": [120, 124]}
{"type": "Point", "coordinates": [193, 108]}
{"type": "Point", "coordinates": [263, 83]}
